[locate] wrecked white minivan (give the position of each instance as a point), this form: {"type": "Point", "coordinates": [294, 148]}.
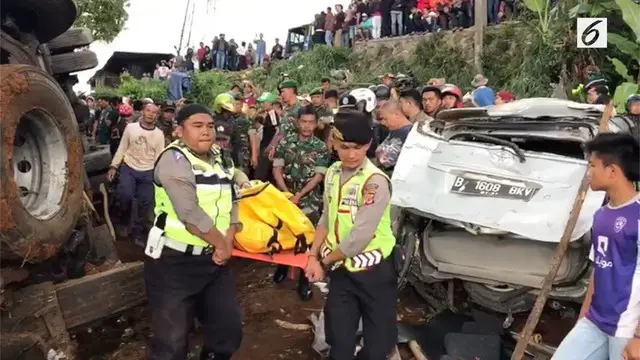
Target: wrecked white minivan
{"type": "Point", "coordinates": [486, 194]}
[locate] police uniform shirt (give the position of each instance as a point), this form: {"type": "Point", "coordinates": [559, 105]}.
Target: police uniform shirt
{"type": "Point", "coordinates": [173, 172]}
{"type": "Point", "coordinates": [368, 216]}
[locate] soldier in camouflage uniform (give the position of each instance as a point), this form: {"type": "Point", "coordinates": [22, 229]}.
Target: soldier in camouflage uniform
{"type": "Point", "coordinates": [166, 122]}
{"type": "Point", "coordinates": [291, 106]}
{"type": "Point", "coordinates": [240, 137]}
{"type": "Point", "coordinates": [323, 113]}
{"type": "Point", "coordinates": [300, 163]}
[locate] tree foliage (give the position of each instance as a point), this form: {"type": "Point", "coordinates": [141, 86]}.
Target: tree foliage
{"type": "Point", "coordinates": [105, 18]}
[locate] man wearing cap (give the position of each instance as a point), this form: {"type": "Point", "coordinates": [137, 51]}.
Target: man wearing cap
{"type": "Point", "coordinates": [324, 115]}
{"type": "Point", "coordinates": [353, 245]}
{"type": "Point", "coordinates": [166, 123]}
{"type": "Point", "coordinates": [299, 164]}
{"type": "Point", "coordinates": [291, 106]}
{"type": "Point", "coordinates": [270, 124]}
{"type": "Point", "coordinates": [240, 124]}
{"type": "Point", "coordinates": [190, 244]}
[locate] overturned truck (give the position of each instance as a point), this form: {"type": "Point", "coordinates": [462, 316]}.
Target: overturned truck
{"type": "Point", "coordinates": [485, 194]}
{"type": "Point", "coordinates": [43, 206]}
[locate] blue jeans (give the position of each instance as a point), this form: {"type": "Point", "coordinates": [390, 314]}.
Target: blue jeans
{"type": "Point", "coordinates": [586, 342]}
{"type": "Point", "coordinates": [259, 59]}
{"type": "Point", "coordinates": [345, 39]}
{"type": "Point", "coordinates": [328, 38]}
{"type": "Point", "coordinates": [396, 22]}
{"type": "Point", "coordinates": [139, 185]}
{"type": "Point", "coordinates": [221, 59]}
{"type": "Point", "coordinates": [493, 7]}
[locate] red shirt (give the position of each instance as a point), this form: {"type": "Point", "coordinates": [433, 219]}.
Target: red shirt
{"type": "Point", "coordinates": [200, 54]}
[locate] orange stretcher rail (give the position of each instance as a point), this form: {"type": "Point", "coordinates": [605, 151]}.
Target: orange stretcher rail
{"type": "Point", "coordinates": [283, 258]}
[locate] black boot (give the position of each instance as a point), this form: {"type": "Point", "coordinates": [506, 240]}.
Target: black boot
{"type": "Point", "coordinates": [304, 288]}
{"type": "Point", "coordinates": [280, 274]}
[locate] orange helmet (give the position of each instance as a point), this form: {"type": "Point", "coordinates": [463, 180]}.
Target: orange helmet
{"type": "Point", "coordinates": [125, 110]}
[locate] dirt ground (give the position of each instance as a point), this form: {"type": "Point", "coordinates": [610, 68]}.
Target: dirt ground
{"type": "Point", "coordinates": [262, 302]}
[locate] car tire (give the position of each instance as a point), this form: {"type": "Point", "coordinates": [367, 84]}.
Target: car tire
{"type": "Point", "coordinates": [504, 300]}
{"type": "Point", "coordinates": [41, 167]}
{"type": "Point", "coordinates": [73, 62]}
{"type": "Point", "coordinates": [70, 40]}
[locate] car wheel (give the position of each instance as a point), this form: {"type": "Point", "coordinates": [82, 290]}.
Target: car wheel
{"type": "Point", "coordinates": [73, 62]}
{"type": "Point", "coordinates": [71, 39]}
{"type": "Point", "coordinates": [41, 168]}
{"type": "Point", "coordinates": [501, 298]}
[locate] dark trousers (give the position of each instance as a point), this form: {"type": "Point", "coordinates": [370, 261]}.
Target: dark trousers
{"type": "Point", "coordinates": [371, 295]}
{"type": "Point", "coordinates": [139, 185]}
{"type": "Point", "coordinates": [183, 287]}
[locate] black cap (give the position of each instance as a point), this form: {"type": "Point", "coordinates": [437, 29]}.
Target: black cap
{"type": "Point", "coordinates": [347, 101]}
{"type": "Point", "coordinates": [382, 92]}
{"type": "Point", "coordinates": [223, 130]}
{"type": "Point", "coordinates": [353, 126]}
{"type": "Point", "coordinates": [331, 94]}
{"type": "Point", "coordinates": [190, 110]}
{"type": "Point", "coordinates": [168, 106]}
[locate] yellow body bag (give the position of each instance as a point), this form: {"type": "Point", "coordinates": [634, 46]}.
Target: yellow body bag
{"type": "Point", "coordinates": [270, 222]}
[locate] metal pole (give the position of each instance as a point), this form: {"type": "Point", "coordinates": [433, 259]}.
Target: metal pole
{"type": "Point", "coordinates": [184, 24]}
{"type": "Point", "coordinates": [480, 20]}
{"type": "Point", "coordinates": [193, 10]}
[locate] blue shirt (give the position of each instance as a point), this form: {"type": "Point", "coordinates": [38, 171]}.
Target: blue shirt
{"type": "Point", "coordinates": [261, 47]}
{"type": "Point", "coordinates": [615, 306]}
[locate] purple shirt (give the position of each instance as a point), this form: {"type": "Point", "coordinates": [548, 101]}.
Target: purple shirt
{"type": "Point", "coordinates": [615, 306]}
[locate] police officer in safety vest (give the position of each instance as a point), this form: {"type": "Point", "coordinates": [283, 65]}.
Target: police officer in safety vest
{"type": "Point", "coordinates": [190, 243]}
{"type": "Point", "coordinates": [353, 245]}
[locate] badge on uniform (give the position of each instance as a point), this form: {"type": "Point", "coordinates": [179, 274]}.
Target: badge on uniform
{"type": "Point", "coordinates": [369, 194]}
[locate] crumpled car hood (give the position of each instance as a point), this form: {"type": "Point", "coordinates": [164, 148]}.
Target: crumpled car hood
{"type": "Point", "coordinates": [487, 185]}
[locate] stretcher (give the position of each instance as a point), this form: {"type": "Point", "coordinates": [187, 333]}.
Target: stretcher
{"type": "Point", "coordinates": [287, 258]}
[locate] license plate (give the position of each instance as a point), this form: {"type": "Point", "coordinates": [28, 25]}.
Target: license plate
{"type": "Point", "coordinates": [492, 188]}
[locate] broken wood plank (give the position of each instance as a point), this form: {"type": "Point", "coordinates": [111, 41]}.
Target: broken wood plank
{"type": "Point", "coordinates": [98, 296]}
{"type": "Point", "coordinates": [37, 311]}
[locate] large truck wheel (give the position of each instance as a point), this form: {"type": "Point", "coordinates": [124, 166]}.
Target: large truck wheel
{"type": "Point", "coordinates": [41, 166]}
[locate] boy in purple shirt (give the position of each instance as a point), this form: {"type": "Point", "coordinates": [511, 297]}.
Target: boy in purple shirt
{"type": "Point", "coordinates": [608, 326]}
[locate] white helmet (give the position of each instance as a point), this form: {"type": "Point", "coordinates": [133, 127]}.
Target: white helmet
{"type": "Point", "coordinates": [366, 95]}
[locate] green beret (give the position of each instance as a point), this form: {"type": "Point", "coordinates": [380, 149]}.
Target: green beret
{"type": "Point", "coordinates": [317, 91]}
{"type": "Point", "coordinates": [288, 84]}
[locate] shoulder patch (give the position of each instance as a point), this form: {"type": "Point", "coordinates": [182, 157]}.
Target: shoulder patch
{"type": "Point", "coordinates": [369, 194]}
{"type": "Point", "coordinates": [177, 154]}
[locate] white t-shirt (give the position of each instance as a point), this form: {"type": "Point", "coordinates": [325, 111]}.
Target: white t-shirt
{"type": "Point", "coordinates": [139, 147]}
{"type": "Point", "coordinates": [163, 71]}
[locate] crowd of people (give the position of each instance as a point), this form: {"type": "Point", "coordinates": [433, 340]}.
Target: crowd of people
{"type": "Point", "coordinates": [374, 19]}
{"type": "Point", "coordinates": [183, 159]}
{"type": "Point", "coordinates": [340, 27]}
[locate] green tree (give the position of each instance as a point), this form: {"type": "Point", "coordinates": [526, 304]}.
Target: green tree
{"type": "Point", "coordinates": [105, 18]}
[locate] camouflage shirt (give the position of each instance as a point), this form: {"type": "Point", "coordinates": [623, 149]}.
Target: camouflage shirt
{"type": "Point", "coordinates": [240, 141]}
{"type": "Point", "coordinates": [301, 161]}
{"type": "Point", "coordinates": [288, 122]}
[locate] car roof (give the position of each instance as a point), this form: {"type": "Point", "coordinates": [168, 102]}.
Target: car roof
{"type": "Point", "coordinates": [531, 108]}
